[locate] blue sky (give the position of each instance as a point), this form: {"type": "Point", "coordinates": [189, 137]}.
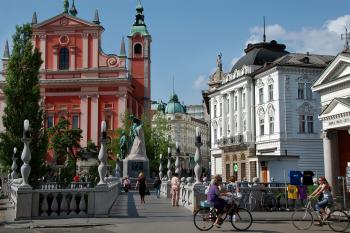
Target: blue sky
{"type": "Point", "coordinates": [188, 34]}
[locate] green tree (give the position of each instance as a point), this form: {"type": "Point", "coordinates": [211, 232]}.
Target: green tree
{"type": "Point", "coordinates": [65, 142]}
{"type": "Point", "coordinates": [22, 98]}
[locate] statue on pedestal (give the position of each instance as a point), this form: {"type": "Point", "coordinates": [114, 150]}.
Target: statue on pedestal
{"type": "Point", "coordinates": [123, 145]}
{"type": "Point", "coordinates": [136, 160]}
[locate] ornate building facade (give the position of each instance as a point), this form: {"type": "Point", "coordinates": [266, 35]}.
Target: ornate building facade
{"type": "Point", "coordinates": [334, 87]}
{"type": "Point", "coordinates": [263, 115]}
{"type": "Point", "coordinates": [182, 129]}
{"type": "Point", "coordinates": [80, 82]}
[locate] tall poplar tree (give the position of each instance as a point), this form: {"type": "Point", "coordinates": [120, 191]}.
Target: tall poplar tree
{"type": "Point", "coordinates": [22, 99]}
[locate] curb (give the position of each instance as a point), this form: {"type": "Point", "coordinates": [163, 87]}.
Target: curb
{"type": "Point", "coordinates": [57, 226]}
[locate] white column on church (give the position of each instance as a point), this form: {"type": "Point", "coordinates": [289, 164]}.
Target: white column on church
{"type": "Point", "coordinates": [84, 103]}
{"type": "Point", "coordinates": [85, 50]}
{"type": "Point", "coordinates": [224, 115]}
{"type": "Point", "coordinates": [331, 157]}
{"type": "Point", "coordinates": [94, 124]}
{"type": "Point", "coordinates": [95, 49]}
{"type": "Point", "coordinates": [121, 109]}
{"type": "Point", "coordinates": [239, 109]}
{"type": "Point", "coordinates": [72, 58]}
{"type": "Point", "coordinates": [43, 50]}
{"type": "Point", "coordinates": [55, 58]}
{"type": "Point", "coordinates": [231, 113]}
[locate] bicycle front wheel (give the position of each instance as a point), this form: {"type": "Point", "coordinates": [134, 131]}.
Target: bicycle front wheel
{"type": "Point", "coordinates": [203, 219]}
{"type": "Point", "coordinates": [338, 221]}
{"type": "Point", "coordinates": [302, 219]}
{"type": "Point", "coordinates": [241, 219]}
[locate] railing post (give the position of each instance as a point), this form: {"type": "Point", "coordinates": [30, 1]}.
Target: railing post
{"type": "Point", "coordinates": [26, 155]}
{"type": "Point", "coordinates": [169, 173]}
{"type": "Point", "coordinates": [102, 156]}
{"type": "Point", "coordinates": [14, 164]}
{"type": "Point", "coordinates": [198, 156]}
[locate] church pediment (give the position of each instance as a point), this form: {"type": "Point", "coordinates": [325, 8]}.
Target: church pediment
{"type": "Point", "coordinates": [336, 106]}
{"type": "Point", "coordinates": [338, 71]}
{"type": "Point", "coordinates": [65, 20]}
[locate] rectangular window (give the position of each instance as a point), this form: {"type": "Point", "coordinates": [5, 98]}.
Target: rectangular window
{"type": "Point", "coordinates": [108, 106]}
{"type": "Point", "coordinates": [220, 131]}
{"type": "Point", "coordinates": [262, 127]}
{"type": "Point", "coordinates": [244, 125]}
{"type": "Point", "coordinates": [301, 123]}
{"type": "Point", "coordinates": [310, 124]}
{"type": "Point", "coordinates": [236, 103]}
{"type": "Point", "coordinates": [220, 109]}
{"type": "Point", "coordinates": [50, 121]}
{"type": "Point", "coordinates": [270, 92]}
{"type": "Point", "coordinates": [308, 91]}
{"type": "Point", "coordinates": [261, 95]}
{"type": "Point", "coordinates": [272, 125]}
{"type": "Point", "coordinates": [300, 90]}
{"type": "Point", "coordinates": [214, 110]}
{"type": "Point", "coordinates": [243, 101]}
{"type": "Point", "coordinates": [75, 121]}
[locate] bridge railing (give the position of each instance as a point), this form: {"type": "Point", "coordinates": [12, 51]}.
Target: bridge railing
{"type": "Point", "coordinates": [62, 201]}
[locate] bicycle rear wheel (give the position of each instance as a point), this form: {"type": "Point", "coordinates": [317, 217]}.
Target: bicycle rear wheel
{"type": "Point", "coordinates": [302, 219]}
{"type": "Point", "coordinates": [338, 221]}
{"type": "Point", "coordinates": [204, 219]}
{"type": "Point", "coordinates": [241, 219]}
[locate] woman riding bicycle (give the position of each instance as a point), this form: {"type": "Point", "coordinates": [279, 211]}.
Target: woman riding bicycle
{"type": "Point", "coordinates": [213, 197]}
{"type": "Point", "coordinates": [324, 189]}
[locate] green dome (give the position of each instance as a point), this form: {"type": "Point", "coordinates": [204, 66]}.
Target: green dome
{"type": "Point", "coordinates": [174, 105]}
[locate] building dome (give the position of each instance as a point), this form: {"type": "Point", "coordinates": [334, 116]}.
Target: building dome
{"type": "Point", "coordinates": [260, 53]}
{"type": "Point", "coordinates": [174, 105]}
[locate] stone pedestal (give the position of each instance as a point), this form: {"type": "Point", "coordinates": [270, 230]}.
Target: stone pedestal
{"type": "Point", "coordinates": [23, 205]}
{"type": "Point", "coordinates": [132, 167]}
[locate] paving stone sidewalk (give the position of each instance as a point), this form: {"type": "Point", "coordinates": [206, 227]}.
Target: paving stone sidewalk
{"type": "Point", "coordinates": [128, 209]}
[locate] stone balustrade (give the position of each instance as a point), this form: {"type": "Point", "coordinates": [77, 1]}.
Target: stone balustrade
{"type": "Point", "coordinates": [53, 200]}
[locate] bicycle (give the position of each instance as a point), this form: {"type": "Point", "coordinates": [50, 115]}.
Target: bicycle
{"type": "Point", "coordinates": [267, 200]}
{"type": "Point", "coordinates": [204, 218]}
{"type": "Point", "coordinates": [303, 219]}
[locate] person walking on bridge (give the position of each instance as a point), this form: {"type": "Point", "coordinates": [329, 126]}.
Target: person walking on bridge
{"type": "Point", "coordinates": [141, 186]}
{"type": "Point", "coordinates": [175, 190]}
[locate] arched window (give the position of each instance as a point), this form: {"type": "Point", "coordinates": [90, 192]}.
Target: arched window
{"type": "Point", "coordinates": [64, 59]}
{"type": "Point", "coordinates": [138, 49]}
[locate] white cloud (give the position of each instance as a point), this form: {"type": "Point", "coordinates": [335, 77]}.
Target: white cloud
{"type": "Point", "coordinates": [200, 82]}
{"type": "Point", "coordinates": [322, 40]}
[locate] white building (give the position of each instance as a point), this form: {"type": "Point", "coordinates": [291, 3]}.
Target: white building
{"type": "Point", "coordinates": [264, 115]}
{"type": "Point", "coordinates": [182, 129]}
{"type": "Point", "coordinates": [334, 87]}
